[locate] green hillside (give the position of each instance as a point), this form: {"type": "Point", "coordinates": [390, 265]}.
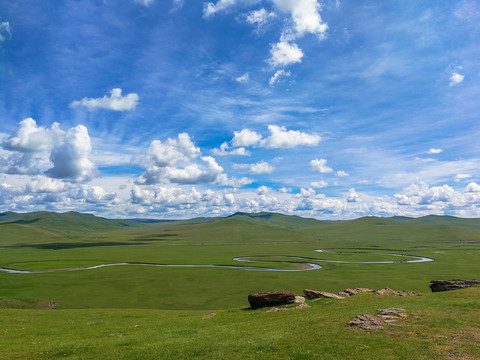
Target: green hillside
{"type": "Point", "coordinates": [138, 289]}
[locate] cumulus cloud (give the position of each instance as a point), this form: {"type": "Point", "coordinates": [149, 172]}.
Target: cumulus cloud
{"type": "Point", "coordinates": [435, 151]}
{"type": "Point", "coordinates": [278, 75]}
{"type": "Point", "coordinates": [179, 161]}
{"type": "Point", "coordinates": [305, 15]}
{"type": "Point", "coordinates": [284, 53]}
{"type": "Point", "coordinates": [5, 30]}
{"type": "Point", "coordinates": [245, 137]}
{"type": "Point", "coordinates": [43, 184]}
{"type": "Point", "coordinates": [320, 166]}
{"type": "Point", "coordinates": [36, 148]}
{"type": "Point", "coordinates": [225, 150]}
{"type": "Point", "coordinates": [341, 173]}
{"type": "Point", "coordinates": [115, 102]}
{"type": "Point", "coordinates": [211, 8]}
{"type": "Point", "coordinates": [21, 164]}
{"type": "Point", "coordinates": [173, 151]}
{"type": "Point", "coordinates": [71, 158]}
{"type": "Point", "coordinates": [261, 167]}
{"type": "Point", "coordinates": [280, 137]}
{"type": "Point", "coordinates": [32, 138]}
{"type": "Point", "coordinates": [319, 184]}
{"type": "Point", "coordinates": [472, 188]}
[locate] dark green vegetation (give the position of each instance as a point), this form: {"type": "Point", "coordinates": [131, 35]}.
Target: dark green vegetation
{"type": "Point", "coordinates": [98, 309]}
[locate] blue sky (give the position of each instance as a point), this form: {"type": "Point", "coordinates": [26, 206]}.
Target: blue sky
{"type": "Point", "coordinates": [181, 108]}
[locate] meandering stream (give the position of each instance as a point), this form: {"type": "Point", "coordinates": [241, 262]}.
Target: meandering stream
{"type": "Point", "coordinates": [304, 266]}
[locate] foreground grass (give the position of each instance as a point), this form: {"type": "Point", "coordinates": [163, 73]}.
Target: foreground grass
{"type": "Point", "coordinates": [439, 326]}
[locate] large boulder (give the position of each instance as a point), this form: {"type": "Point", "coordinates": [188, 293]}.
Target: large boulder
{"type": "Point", "coordinates": [273, 298]}
{"type": "Point", "coordinates": [448, 285]}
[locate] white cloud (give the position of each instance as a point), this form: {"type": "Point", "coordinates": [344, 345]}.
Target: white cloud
{"type": "Point", "coordinates": [43, 184]}
{"type": "Point", "coordinates": [259, 18]}
{"type": "Point", "coordinates": [243, 79]}
{"type": "Point", "coordinates": [353, 196]}
{"type": "Point", "coordinates": [282, 138]}
{"type": "Point", "coordinates": [261, 167]}
{"type": "Point", "coordinates": [245, 137]}
{"type": "Point", "coordinates": [179, 161]}
{"type": "Point", "coordinates": [305, 15]}
{"type": "Point", "coordinates": [341, 173]}
{"type": "Point", "coordinates": [320, 166]}
{"type": "Point", "coordinates": [211, 8]}
{"type": "Point", "coordinates": [279, 74]}
{"type": "Point", "coordinates": [173, 151]}
{"type": "Point", "coordinates": [115, 102]}
{"type": "Point", "coordinates": [224, 180]}
{"type": "Point", "coordinates": [435, 151]}
{"type": "Point", "coordinates": [283, 53]}
{"type": "Point", "coordinates": [32, 138]}
{"type": "Point", "coordinates": [460, 177]}
{"type": "Point", "coordinates": [456, 79]}
{"type": "Point", "coordinates": [21, 163]}
{"type": "Point", "coordinates": [5, 30]}
{"type": "Point", "coordinates": [225, 150]}
{"type": "Point", "coordinates": [71, 158]}
{"type": "Point", "coordinates": [279, 137]}
{"type": "Point", "coordinates": [319, 184]}
{"type": "Point", "coordinates": [472, 188]}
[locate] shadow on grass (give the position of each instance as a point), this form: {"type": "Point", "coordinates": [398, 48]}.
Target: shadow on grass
{"type": "Point", "coordinates": [73, 245]}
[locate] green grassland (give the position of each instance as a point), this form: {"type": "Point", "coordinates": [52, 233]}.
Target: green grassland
{"type": "Point", "coordinates": [143, 312]}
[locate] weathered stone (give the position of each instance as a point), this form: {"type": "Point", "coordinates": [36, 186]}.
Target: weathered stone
{"type": "Point", "coordinates": [273, 298]}
{"type": "Point", "coordinates": [355, 291]}
{"type": "Point", "coordinates": [299, 300]}
{"type": "Point", "coordinates": [448, 285]}
{"type": "Point", "coordinates": [392, 313]}
{"type": "Point", "coordinates": [388, 291]}
{"type": "Point", "coordinates": [314, 294]}
{"type": "Point", "coordinates": [275, 309]}
{"type": "Point", "coordinates": [52, 305]}
{"type": "Point", "coordinates": [366, 322]}
{"type": "Point", "coordinates": [302, 306]}
{"type": "Point", "coordinates": [209, 315]}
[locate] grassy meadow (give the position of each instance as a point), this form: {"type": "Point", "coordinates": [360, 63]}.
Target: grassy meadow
{"type": "Point", "coordinates": [143, 312]}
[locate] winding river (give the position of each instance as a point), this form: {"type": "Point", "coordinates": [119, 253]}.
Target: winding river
{"type": "Point", "coordinates": [304, 266]}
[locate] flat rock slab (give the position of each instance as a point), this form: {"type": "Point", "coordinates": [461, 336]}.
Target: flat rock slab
{"type": "Point", "coordinates": [367, 322]}
{"type": "Point", "coordinates": [273, 298]}
{"type": "Point", "coordinates": [355, 291]}
{"type": "Point", "coordinates": [314, 294]}
{"type": "Point", "coordinates": [449, 285]}
{"type": "Point", "coordinates": [388, 291]}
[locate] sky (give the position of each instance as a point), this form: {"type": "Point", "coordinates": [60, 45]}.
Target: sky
{"type": "Point", "coordinates": [331, 109]}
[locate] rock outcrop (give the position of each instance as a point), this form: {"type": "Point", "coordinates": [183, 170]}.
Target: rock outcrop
{"type": "Point", "coordinates": [375, 322]}
{"type": "Point", "coordinates": [314, 294]}
{"type": "Point", "coordinates": [355, 291]}
{"type": "Point", "coordinates": [448, 285]}
{"type": "Point", "coordinates": [367, 322]}
{"type": "Point", "coordinates": [273, 298]}
{"type": "Point", "coordinates": [388, 291]}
